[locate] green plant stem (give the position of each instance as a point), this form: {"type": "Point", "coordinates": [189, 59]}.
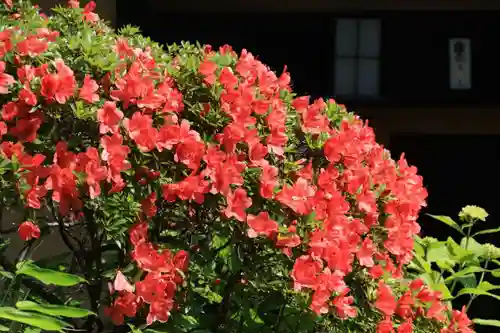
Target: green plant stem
{"type": "Point", "coordinates": [278, 320]}
{"type": "Point", "coordinates": [467, 237]}
{"type": "Point", "coordinates": [93, 274]}
{"type": "Point", "coordinates": [469, 230]}
{"type": "Point", "coordinates": [15, 285]}
{"type": "Point", "coordinates": [453, 286]}
{"type": "Point", "coordinates": [473, 297]}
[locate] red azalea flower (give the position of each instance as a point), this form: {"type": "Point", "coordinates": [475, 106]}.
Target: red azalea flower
{"type": "Point", "coordinates": [386, 302]}
{"type": "Point", "coordinates": [28, 230]}
{"type": "Point", "coordinates": [261, 224]}
{"type": "Point", "coordinates": [305, 272]}
{"type": "Point", "coordinates": [237, 203]}
{"type": "Point", "coordinates": [88, 90]}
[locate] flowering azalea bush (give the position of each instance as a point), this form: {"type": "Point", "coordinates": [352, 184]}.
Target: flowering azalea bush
{"type": "Point", "coordinates": [195, 192]}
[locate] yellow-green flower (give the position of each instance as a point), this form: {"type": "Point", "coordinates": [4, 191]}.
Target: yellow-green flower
{"type": "Point", "coordinates": [473, 213]}
{"type": "Point", "coordinates": [491, 251]}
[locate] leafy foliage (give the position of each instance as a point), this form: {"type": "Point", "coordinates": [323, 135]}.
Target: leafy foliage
{"type": "Point", "coordinates": [460, 270]}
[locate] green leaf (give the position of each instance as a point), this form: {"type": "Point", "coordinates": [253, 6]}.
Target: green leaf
{"type": "Point", "coordinates": [6, 274]}
{"type": "Point", "coordinates": [448, 221]}
{"type": "Point", "coordinates": [439, 252]}
{"type": "Point", "coordinates": [487, 231]}
{"type": "Point", "coordinates": [182, 323]}
{"type": "Point", "coordinates": [458, 252]}
{"type": "Point", "coordinates": [473, 246]}
{"type": "Point", "coordinates": [33, 319]}
{"type": "Point", "coordinates": [446, 265]}
{"type": "Point", "coordinates": [32, 330]}
{"type": "Point", "coordinates": [255, 316]}
{"type": "Point", "coordinates": [413, 266]}
{"type": "Point", "coordinates": [218, 241]}
{"type": "Point", "coordinates": [465, 272]}
{"type": "Point", "coordinates": [441, 286]}
{"type": "Point", "coordinates": [423, 264]}
{"type": "Point", "coordinates": [486, 286]}
{"type": "Point", "coordinates": [468, 281]}
{"type": "Point", "coordinates": [54, 310]}
{"type": "Point", "coordinates": [419, 249]}
{"type": "Point", "coordinates": [133, 329]}
{"type": "Point", "coordinates": [4, 328]}
{"type": "Point", "coordinates": [486, 322]}
{"type": "Point", "coordinates": [210, 295]}
{"type": "Point", "coordinates": [429, 279]}
{"type": "Point", "coordinates": [496, 272]}
{"type": "Point", "coordinates": [477, 292]}
{"type": "Point", "coordinates": [435, 281]}
{"type": "Point", "coordinates": [48, 276]}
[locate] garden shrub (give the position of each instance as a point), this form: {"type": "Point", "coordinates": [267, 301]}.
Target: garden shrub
{"type": "Point", "coordinates": [194, 181]}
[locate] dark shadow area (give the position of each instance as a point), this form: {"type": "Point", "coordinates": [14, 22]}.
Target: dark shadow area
{"type": "Point", "coordinates": [302, 42]}
{"type": "Point", "coordinates": [414, 59]}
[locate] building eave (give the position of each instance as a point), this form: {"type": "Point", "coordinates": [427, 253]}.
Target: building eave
{"type": "Point", "coordinates": [320, 5]}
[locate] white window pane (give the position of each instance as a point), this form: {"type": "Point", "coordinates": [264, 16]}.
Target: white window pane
{"type": "Point", "coordinates": [345, 76]}
{"type": "Point", "coordinates": [369, 38]}
{"type": "Point", "coordinates": [346, 37]}
{"type": "Point", "coordinates": [368, 77]}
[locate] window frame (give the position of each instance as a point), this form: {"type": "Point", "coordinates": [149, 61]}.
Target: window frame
{"type": "Point", "coordinates": [356, 96]}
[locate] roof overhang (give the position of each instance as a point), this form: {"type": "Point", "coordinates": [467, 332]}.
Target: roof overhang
{"type": "Point", "coordinates": [320, 5]}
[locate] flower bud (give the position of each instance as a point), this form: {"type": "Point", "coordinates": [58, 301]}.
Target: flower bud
{"type": "Point", "coordinates": [491, 251]}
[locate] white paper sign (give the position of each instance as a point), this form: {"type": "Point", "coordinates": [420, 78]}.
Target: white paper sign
{"type": "Point", "coordinates": [460, 63]}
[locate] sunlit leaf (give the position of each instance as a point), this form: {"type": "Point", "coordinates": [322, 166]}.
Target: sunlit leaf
{"type": "Point", "coordinates": [486, 322]}
{"type": "Point", "coordinates": [419, 250]}
{"type": "Point", "coordinates": [472, 245]}
{"type": "Point", "coordinates": [33, 319]}
{"type": "Point", "coordinates": [465, 272]}
{"type": "Point", "coordinates": [487, 231]}
{"type": "Point", "coordinates": [423, 264]}
{"type": "Point", "coordinates": [254, 316]}
{"type": "Point", "coordinates": [32, 330]}
{"type": "Point", "coordinates": [48, 276]}
{"type": "Point", "coordinates": [458, 252]}
{"type": "Point", "coordinates": [448, 221]}
{"type": "Point", "coordinates": [446, 265]}
{"type": "Point", "coordinates": [496, 272]}
{"type": "Point", "coordinates": [133, 329]}
{"type": "Point", "coordinates": [477, 292]}
{"type": "Point", "coordinates": [6, 274]}
{"type": "Point", "coordinates": [54, 310]}
{"type": "Point", "coordinates": [441, 286]}
{"type": "Point", "coordinates": [428, 278]}
{"type": "Point", "coordinates": [486, 286]}
{"type": "Point", "coordinates": [210, 295]}
{"type": "Point", "coordinates": [439, 252]}
{"type": "Point", "coordinates": [468, 281]}
{"type": "Point", "coordinates": [413, 266]}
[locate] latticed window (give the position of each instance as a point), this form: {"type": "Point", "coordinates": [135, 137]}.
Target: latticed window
{"type": "Point", "coordinates": [357, 58]}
